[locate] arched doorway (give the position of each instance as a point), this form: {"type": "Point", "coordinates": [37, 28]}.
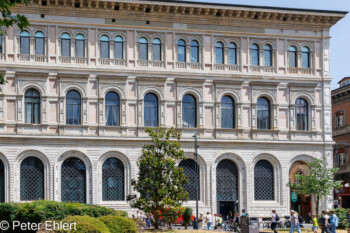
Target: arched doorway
{"type": "Point", "coordinates": [73, 181]}
{"type": "Point", "coordinates": [227, 187]}
{"type": "Point", "coordinates": [303, 204]}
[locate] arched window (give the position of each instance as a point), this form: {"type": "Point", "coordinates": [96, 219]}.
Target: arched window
{"type": "Point", "coordinates": [292, 53]}
{"type": "Point", "coordinates": [104, 46]}
{"type": "Point", "coordinates": [2, 181]}
{"type": "Point", "coordinates": [267, 55]}
{"type": "Point", "coordinates": [181, 51]}
{"type": "Point", "coordinates": [219, 52]}
{"type": "Point", "coordinates": [32, 179]}
{"type": "Point", "coordinates": [189, 113]}
{"type": "Point", "coordinates": [118, 47]}
{"type": "Point", "coordinates": [232, 54]}
{"type": "Point", "coordinates": [157, 50]}
{"type": "Point", "coordinates": [143, 49]}
{"type": "Point", "coordinates": [73, 108]}
{"type": "Point", "coordinates": [112, 109]}
{"type": "Point", "coordinates": [39, 43]}
{"type": "Point", "coordinates": [73, 181]}
{"type": "Point", "coordinates": [80, 45]}
{"type": "Point", "coordinates": [151, 110]}
{"type": "Point", "coordinates": [301, 114]}
{"type": "Point", "coordinates": [194, 51]}
{"type": "Point", "coordinates": [24, 42]}
{"type": "Point", "coordinates": [113, 180]}
{"type": "Point", "coordinates": [264, 181]}
{"type": "Point", "coordinates": [32, 106]}
{"type": "Point", "coordinates": [255, 55]}
{"type": "Point", "coordinates": [65, 45]}
{"type": "Point", "coordinates": [227, 113]}
{"type": "Point", "coordinates": [263, 116]}
{"type": "Point", "coordinates": [305, 57]}
{"type": "Point", "coordinates": [191, 171]}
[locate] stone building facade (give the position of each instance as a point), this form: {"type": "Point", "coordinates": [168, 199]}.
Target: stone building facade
{"type": "Point", "coordinates": [87, 77]}
{"type": "Point", "coordinates": [341, 137]}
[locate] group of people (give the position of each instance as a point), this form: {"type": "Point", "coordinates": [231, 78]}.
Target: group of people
{"type": "Point", "coordinates": [146, 218]}
{"type": "Point", "coordinates": [209, 220]}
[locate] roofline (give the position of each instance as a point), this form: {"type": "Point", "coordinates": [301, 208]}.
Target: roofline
{"type": "Point", "coordinates": [343, 79]}
{"type": "Point", "coordinates": [249, 6]}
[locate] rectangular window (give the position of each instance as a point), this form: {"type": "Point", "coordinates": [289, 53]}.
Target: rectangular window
{"type": "Point", "coordinates": [292, 59]}
{"type": "Point", "coordinates": [65, 50]}
{"type": "Point", "coordinates": [112, 115]}
{"type": "Point", "coordinates": [118, 50]}
{"type": "Point", "coordinates": [219, 56]}
{"type": "Point", "coordinates": [339, 119]}
{"type": "Point", "coordinates": [267, 58]}
{"type": "Point", "coordinates": [305, 60]}
{"type": "Point", "coordinates": [156, 52]}
{"type": "Point", "coordinates": [255, 57]}
{"type": "Point", "coordinates": [232, 56]}
{"type": "Point", "coordinates": [24, 41]}
{"type": "Point", "coordinates": [104, 49]}
{"type": "Point", "coordinates": [143, 51]}
{"type": "Point", "coordinates": [39, 46]}
{"type": "Point", "coordinates": [181, 54]}
{"type": "Point", "coordinates": [79, 48]}
{"type": "Point", "coordinates": [194, 54]}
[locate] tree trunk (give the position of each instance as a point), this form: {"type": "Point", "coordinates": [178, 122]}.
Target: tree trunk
{"type": "Point", "coordinates": [186, 225]}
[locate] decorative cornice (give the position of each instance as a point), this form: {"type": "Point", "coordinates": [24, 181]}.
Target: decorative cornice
{"type": "Point", "coordinates": [182, 12]}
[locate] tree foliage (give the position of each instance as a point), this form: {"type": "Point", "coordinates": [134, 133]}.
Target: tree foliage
{"type": "Point", "coordinates": [159, 182]}
{"type": "Point", "coordinates": [319, 182]}
{"type": "Point", "coordinates": [7, 19]}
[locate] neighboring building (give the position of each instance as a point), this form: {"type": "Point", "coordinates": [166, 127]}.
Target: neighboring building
{"type": "Point", "coordinates": [87, 77]}
{"type": "Point", "coordinates": [341, 136]}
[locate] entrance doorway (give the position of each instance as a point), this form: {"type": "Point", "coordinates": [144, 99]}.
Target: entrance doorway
{"type": "Point", "coordinates": [226, 187]}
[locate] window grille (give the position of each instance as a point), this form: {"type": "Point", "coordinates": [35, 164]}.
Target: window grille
{"type": "Point", "coordinates": [32, 179]}
{"type": "Point", "coordinates": [113, 180]}
{"type": "Point", "coordinates": [189, 167]}
{"type": "Point", "coordinates": [2, 181]}
{"type": "Point", "coordinates": [263, 181]}
{"type": "Point", "coordinates": [226, 181]}
{"type": "Point", "coordinates": [73, 181]}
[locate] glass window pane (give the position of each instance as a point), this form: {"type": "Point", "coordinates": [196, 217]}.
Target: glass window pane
{"type": "Point", "coordinates": [80, 37]}
{"type": "Point", "coordinates": [267, 55]}
{"type": "Point", "coordinates": [219, 53]}
{"type": "Point", "coordinates": [112, 109]}
{"type": "Point", "coordinates": [189, 114]}
{"type": "Point", "coordinates": [143, 49]}
{"type": "Point", "coordinates": [301, 112]}
{"type": "Point", "coordinates": [227, 113]}
{"type": "Point", "coordinates": [65, 50]}
{"type": "Point", "coordinates": [194, 51]}
{"type": "Point", "coordinates": [39, 46]}
{"type": "Point", "coordinates": [32, 106]}
{"type": "Point", "coordinates": [118, 50]}
{"type": "Point", "coordinates": [156, 52]}
{"type": "Point", "coordinates": [151, 110]}
{"type": "Point", "coordinates": [181, 51]}
{"type": "Point", "coordinates": [79, 48]}
{"type": "Point", "coordinates": [232, 54]}
{"type": "Point", "coordinates": [255, 55]}
{"type": "Point", "coordinates": [73, 108]}
{"type": "Point", "coordinates": [24, 44]}
{"type": "Point", "coordinates": [305, 60]}
{"type": "Point", "coordinates": [118, 39]}
{"type": "Point", "coordinates": [104, 49]}
{"type": "Point", "coordinates": [65, 36]}
{"type": "Point", "coordinates": [263, 113]}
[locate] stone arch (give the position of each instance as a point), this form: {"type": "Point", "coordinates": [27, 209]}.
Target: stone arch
{"type": "Point", "coordinates": [47, 168]}
{"type": "Point", "coordinates": [309, 99]}
{"type": "Point", "coordinates": [127, 172]}
{"type": "Point", "coordinates": [89, 173]}
{"type": "Point", "coordinates": [31, 84]}
{"type": "Point", "coordinates": [277, 168]}
{"type": "Point", "coordinates": [268, 95]}
{"type": "Point", "coordinates": [152, 90]}
{"type": "Point", "coordinates": [192, 91]}
{"type": "Point", "coordinates": [242, 177]}
{"type": "Point", "coordinates": [230, 93]}
{"type": "Point", "coordinates": [115, 89]}
{"type": "Point", "coordinates": [73, 86]}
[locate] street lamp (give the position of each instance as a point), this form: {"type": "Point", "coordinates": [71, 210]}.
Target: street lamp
{"type": "Point", "coordinates": [196, 171]}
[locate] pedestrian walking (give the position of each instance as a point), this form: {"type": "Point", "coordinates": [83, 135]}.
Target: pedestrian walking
{"type": "Point", "coordinates": [274, 221]}
{"type": "Point", "coordinates": [324, 222]}
{"type": "Point", "coordinates": [294, 222]}
{"type": "Point", "coordinates": [200, 221]}
{"type": "Point", "coordinates": [209, 220]}
{"type": "Point", "coordinates": [219, 222]}
{"type": "Point", "coordinates": [314, 223]}
{"type": "Point", "coordinates": [236, 222]}
{"type": "Point", "coordinates": [333, 222]}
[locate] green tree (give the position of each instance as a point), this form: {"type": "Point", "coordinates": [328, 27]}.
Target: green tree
{"type": "Point", "coordinates": [187, 215]}
{"type": "Point", "coordinates": [319, 182]}
{"type": "Point", "coordinates": [7, 19]}
{"type": "Point", "coordinates": [159, 182]}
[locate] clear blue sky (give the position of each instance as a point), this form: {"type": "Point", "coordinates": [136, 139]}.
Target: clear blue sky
{"type": "Point", "coordinates": [340, 42]}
